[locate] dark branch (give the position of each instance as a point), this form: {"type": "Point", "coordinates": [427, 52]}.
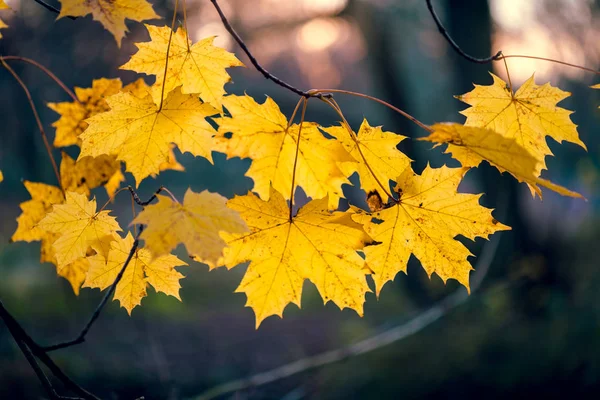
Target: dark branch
{"type": "Point", "coordinates": [139, 202]}
{"type": "Point", "coordinates": [23, 337]}
{"type": "Point", "coordinates": [81, 337]}
{"type": "Point", "coordinates": [257, 65]}
{"type": "Point", "coordinates": [446, 35]}
{"type": "Point", "coordinates": [51, 8]}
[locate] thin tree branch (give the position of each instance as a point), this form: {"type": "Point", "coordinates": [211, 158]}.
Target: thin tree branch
{"type": "Point", "coordinates": [139, 202]}
{"type": "Point", "coordinates": [47, 72]}
{"type": "Point", "coordinates": [51, 8]}
{"type": "Point", "coordinates": [35, 366]}
{"type": "Point", "coordinates": [389, 336]}
{"type": "Point", "coordinates": [81, 337]}
{"type": "Point", "coordinates": [257, 65]}
{"type": "Point", "coordinates": [455, 46]}
{"type": "Point", "coordinates": [20, 335]}
{"type": "Point", "coordinates": [37, 120]}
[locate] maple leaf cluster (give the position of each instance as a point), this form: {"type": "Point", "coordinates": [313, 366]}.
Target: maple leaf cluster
{"type": "Point", "coordinates": [138, 125]}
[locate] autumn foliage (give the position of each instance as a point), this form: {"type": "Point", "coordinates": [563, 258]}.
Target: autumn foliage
{"type": "Point", "coordinates": [133, 128]}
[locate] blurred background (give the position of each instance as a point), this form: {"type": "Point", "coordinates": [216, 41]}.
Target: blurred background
{"type": "Point", "coordinates": [533, 328]}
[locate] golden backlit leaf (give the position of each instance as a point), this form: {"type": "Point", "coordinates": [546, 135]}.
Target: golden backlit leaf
{"type": "Point", "coordinates": [470, 146]}
{"type": "Point", "coordinates": [196, 223]}
{"type": "Point", "coordinates": [384, 162]}
{"type": "Point", "coordinates": [199, 67]}
{"type": "Point", "coordinates": [258, 131]}
{"type": "Point", "coordinates": [110, 13]}
{"type": "Point", "coordinates": [429, 215]}
{"type": "Point", "coordinates": [316, 244]}
{"type": "Point", "coordinates": [43, 197]}
{"type": "Point", "coordinates": [78, 225]}
{"type": "Point", "coordinates": [137, 132]}
{"type": "Point", "coordinates": [73, 114]}
{"type": "Point", "coordinates": [527, 116]}
{"type": "Point", "coordinates": [142, 270]}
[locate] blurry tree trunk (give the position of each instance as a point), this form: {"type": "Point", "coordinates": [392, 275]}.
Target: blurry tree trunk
{"type": "Point", "coordinates": [379, 30]}
{"type": "Point", "coordinates": [470, 25]}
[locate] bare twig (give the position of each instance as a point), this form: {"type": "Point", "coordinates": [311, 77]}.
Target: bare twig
{"type": "Point", "coordinates": [35, 366]}
{"type": "Point", "coordinates": [51, 8]}
{"type": "Point", "coordinates": [37, 120]}
{"type": "Point", "coordinates": [455, 46]}
{"type": "Point", "coordinates": [21, 336]}
{"type": "Point", "coordinates": [47, 72]}
{"type": "Point", "coordinates": [81, 337]}
{"type": "Point", "coordinates": [422, 320]}
{"type": "Point", "coordinates": [257, 65]}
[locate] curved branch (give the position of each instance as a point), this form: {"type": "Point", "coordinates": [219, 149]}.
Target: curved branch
{"type": "Point", "coordinates": [455, 46]}
{"type": "Point", "coordinates": [81, 337]}
{"type": "Point", "coordinates": [402, 331]}
{"type": "Point", "coordinates": [50, 7]}
{"type": "Point", "coordinates": [20, 335]}
{"type": "Point", "coordinates": [255, 62]}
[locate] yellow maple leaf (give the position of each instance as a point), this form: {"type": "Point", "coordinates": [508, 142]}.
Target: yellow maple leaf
{"type": "Point", "coordinates": [258, 131]}
{"type": "Point", "coordinates": [73, 114]}
{"type": "Point", "coordinates": [384, 162]}
{"type": "Point", "coordinates": [43, 197]}
{"type": "Point", "coordinates": [200, 68]}
{"type": "Point", "coordinates": [429, 215]}
{"type": "Point", "coordinates": [78, 225]}
{"type": "Point", "coordinates": [110, 13]}
{"type": "Point", "coordinates": [142, 270]}
{"type": "Point", "coordinates": [88, 173]}
{"type": "Point", "coordinates": [140, 134]}
{"type": "Point", "coordinates": [470, 146]}
{"type": "Point", "coordinates": [527, 116]}
{"type": "Point", "coordinates": [315, 245]}
{"type": "Point", "coordinates": [196, 223]}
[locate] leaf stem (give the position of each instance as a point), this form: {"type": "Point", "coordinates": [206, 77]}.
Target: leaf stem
{"type": "Point", "coordinates": [375, 99]}
{"type": "Point", "coordinates": [593, 71]}
{"type": "Point", "coordinates": [304, 104]}
{"type": "Point", "coordinates": [510, 85]}
{"type": "Point", "coordinates": [37, 120]}
{"type": "Point", "coordinates": [162, 92]}
{"type": "Point", "coordinates": [187, 37]}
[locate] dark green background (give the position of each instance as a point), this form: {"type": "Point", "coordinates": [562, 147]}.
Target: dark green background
{"type": "Point", "coordinates": [532, 329]}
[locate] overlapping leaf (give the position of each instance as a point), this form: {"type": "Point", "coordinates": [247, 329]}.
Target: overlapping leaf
{"type": "Point", "coordinates": [315, 245]}
{"type": "Point", "coordinates": [196, 223]}
{"type": "Point", "coordinates": [527, 116]}
{"type": "Point", "coordinates": [110, 13]}
{"type": "Point", "coordinates": [43, 197]}
{"type": "Point", "coordinates": [78, 227]}
{"type": "Point", "coordinates": [471, 145]}
{"type": "Point", "coordinates": [425, 222]}
{"type": "Point", "coordinates": [88, 173]}
{"type": "Point", "coordinates": [143, 269]}
{"type": "Point", "coordinates": [73, 114]}
{"type": "Point", "coordinates": [200, 68]}
{"type": "Point", "coordinates": [379, 160]}
{"type": "Point", "coordinates": [139, 133]}
{"type": "Point", "coordinates": [259, 131]}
